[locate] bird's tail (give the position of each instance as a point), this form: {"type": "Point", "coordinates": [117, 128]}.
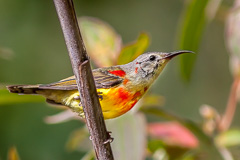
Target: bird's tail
{"type": "Point", "coordinates": [23, 89]}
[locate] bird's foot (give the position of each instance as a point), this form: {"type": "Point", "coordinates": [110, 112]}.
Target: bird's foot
{"type": "Point", "coordinates": [100, 96]}
{"type": "Point", "coordinates": [109, 138]}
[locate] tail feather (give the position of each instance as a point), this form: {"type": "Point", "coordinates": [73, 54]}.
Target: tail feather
{"type": "Point", "coordinates": [24, 89]}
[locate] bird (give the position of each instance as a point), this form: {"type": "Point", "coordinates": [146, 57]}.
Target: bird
{"type": "Point", "coordinates": [119, 87]}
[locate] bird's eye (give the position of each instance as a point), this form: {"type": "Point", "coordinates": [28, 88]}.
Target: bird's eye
{"type": "Point", "coordinates": [152, 58]}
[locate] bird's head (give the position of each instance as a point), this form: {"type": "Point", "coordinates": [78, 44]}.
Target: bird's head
{"type": "Point", "coordinates": [149, 65]}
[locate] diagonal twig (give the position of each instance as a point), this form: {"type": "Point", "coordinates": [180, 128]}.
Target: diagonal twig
{"type": "Point", "coordinates": [227, 117]}
{"type": "Point", "coordinates": [84, 79]}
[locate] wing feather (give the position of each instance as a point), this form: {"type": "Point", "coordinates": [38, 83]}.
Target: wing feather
{"type": "Point", "coordinates": [102, 78]}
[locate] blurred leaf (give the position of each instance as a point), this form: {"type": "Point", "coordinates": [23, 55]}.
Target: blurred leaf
{"type": "Point", "coordinates": [189, 156]}
{"type": "Point", "coordinates": [129, 132]}
{"type": "Point", "coordinates": [229, 138]}
{"type": "Point", "coordinates": [211, 118]}
{"type": "Point", "coordinates": [212, 8]}
{"type": "Point", "coordinates": [7, 98]}
{"type": "Point", "coordinates": [191, 32]}
{"type": "Point", "coordinates": [232, 31]}
{"type": "Point", "coordinates": [173, 137]}
{"type": "Point", "coordinates": [208, 112]}
{"type": "Point", "coordinates": [12, 154]}
{"type": "Point", "coordinates": [173, 134]}
{"type": "Point", "coordinates": [206, 144]}
{"type": "Point", "coordinates": [6, 53]}
{"type": "Point", "coordinates": [149, 100]}
{"type": "Point", "coordinates": [234, 65]}
{"type": "Point", "coordinates": [233, 40]}
{"type": "Point", "coordinates": [154, 144]}
{"type": "Point", "coordinates": [133, 50]}
{"type": "Point", "coordinates": [79, 140]}
{"type": "Point", "coordinates": [173, 152]}
{"type": "Point", "coordinates": [61, 117]}
{"type": "Point", "coordinates": [227, 155]}
{"type": "Point", "coordinates": [153, 100]}
{"type": "Point", "coordinates": [89, 156]}
{"type": "Point", "coordinates": [103, 44]}
{"type": "Point", "coordinates": [160, 154]}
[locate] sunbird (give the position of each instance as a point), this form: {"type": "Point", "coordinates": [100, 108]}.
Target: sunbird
{"type": "Point", "coordinates": [119, 87]}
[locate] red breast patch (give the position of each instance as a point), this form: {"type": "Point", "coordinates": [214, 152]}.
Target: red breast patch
{"type": "Point", "coordinates": [123, 95]}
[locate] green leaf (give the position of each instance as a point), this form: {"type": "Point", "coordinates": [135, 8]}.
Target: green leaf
{"type": "Point", "coordinates": [173, 152]}
{"type": "Point", "coordinates": [103, 44]}
{"type": "Point", "coordinates": [62, 117]}
{"type": "Point", "coordinates": [154, 144]}
{"type": "Point", "coordinates": [129, 132]}
{"type": "Point", "coordinates": [206, 144]}
{"type": "Point", "coordinates": [191, 33]}
{"type": "Point", "coordinates": [7, 98]}
{"type": "Point", "coordinates": [229, 138]}
{"type": "Point", "coordinates": [152, 100]}
{"type": "Point", "coordinates": [133, 50]}
{"type": "Point", "coordinates": [89, 156]}
{"type": "Point", "coordinates": [79, 140]}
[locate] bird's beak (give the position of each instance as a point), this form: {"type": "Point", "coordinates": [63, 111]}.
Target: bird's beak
{"type": "Point", "coordinates": [175, 53]}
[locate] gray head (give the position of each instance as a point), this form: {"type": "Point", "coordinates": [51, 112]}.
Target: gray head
{"type": "Point", "coordinates": [147, 67]}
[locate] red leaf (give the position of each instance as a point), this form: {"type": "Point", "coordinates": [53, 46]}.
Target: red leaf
{"type": "Point", "coordinates": [173, 133]}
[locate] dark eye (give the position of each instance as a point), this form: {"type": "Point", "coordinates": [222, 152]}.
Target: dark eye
{"type": "Point", "coordinates": [152, 58]}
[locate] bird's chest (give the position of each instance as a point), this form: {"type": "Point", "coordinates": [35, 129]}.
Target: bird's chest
{"type": "Point", "coordinates": [119, 100]}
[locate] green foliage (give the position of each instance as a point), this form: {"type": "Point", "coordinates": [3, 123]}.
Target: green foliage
{"type": "Point", "coordinates": [79, 139]}
{"type": "Point", "coordinates": [229, 138]}
{"type": "Point", "coordinates": [133, 50]}
{"type": "Point", "coordinates": [7, 98]}
{"type": "Point", "coordinates": [194, 19]}
{"type": "Point", "coordinates": [89, 156]}
{"type": "Point", "coordinates": [103, 44]}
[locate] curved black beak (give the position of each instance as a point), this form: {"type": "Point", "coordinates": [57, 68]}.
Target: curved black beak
{"type": "Point", "coordinates": [175, 53]}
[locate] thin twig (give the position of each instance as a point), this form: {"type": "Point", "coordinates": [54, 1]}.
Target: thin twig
{"type": "Point", "coordinates": [84, 79]}
{"type": "Point", "coordinates": [227, 117]}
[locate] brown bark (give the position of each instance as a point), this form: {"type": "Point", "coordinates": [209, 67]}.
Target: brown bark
{"type": "Point", "coordinates": [84, 78]}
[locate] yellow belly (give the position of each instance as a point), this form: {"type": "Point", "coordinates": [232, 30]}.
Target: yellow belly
{"type": "Point", "coordinates": [117, 101]}
{"type": "Point", "coordinates": [114, 102]}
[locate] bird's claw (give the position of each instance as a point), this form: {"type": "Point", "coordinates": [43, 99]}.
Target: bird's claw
{"type": "Point", "coordinates": [110, 139]}
{"type": "Point", "coordinates": [90, 138]}
{"type": "Point", "coordinates": [100, 96]}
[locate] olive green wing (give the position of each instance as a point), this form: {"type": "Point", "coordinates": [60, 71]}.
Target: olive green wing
{"type": "Point", "coordinates": [102, 78]}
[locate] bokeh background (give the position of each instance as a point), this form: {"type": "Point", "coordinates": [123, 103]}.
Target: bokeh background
{"type": "Point", "coordinates": [30, 32]}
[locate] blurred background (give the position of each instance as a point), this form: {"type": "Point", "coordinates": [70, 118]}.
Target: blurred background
{"type": "Point", "coordinates": [34, 52]}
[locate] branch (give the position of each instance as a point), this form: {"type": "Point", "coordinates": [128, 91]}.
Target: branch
{"type": "Point", "coordinates": [227, 117]}
{"type": "Point", "coordinates": [84, 79]}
